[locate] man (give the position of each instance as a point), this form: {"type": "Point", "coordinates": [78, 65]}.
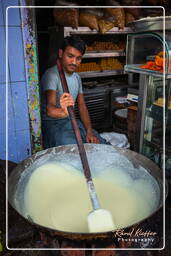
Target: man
{"type": "Point", "coordinates": [56, 125]}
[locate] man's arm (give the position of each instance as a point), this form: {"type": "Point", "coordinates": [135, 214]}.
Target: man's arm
{"type": "Point", "coordinates": [65, 101]}
{"type": "Point", "coordinates": [85, 118]}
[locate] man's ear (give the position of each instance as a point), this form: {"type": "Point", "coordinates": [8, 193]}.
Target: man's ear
{"type": "Point", "coordinates": [60, 52]}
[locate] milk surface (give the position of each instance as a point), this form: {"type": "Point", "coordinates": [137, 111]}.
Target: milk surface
{"type": "Point", "coordinates": [56, 196]}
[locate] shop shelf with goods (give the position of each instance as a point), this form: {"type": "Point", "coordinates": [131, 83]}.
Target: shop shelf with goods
{"type": "Point", "coordinates": [105, 54]}
{"type": "Point", "coordinates": [149, 55]}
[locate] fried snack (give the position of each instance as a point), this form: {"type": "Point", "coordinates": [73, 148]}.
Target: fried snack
{"type": "Point", "coordinates": [104, 64]}
{"type": "Point", "coordinates": [157, 65]}
{"type": "Point", "coordinates": [66, 17]}
{"type": "Point", "coordinates": [103, 46]}
{"type": "Point", "coordinates": [110, 64]}
{"type": "Point", "coordinates": [119, 14]}
{"type": "Point", "coordinates": [105, 25]}
{"type": "Point", "coordinates": [90, 66]}
{"type": "Point", "coordinates": [159, 61]}
{"type": "Point", "coordinates": [88, 20]}
{"type": "Point", "coordinates": [161, 54]}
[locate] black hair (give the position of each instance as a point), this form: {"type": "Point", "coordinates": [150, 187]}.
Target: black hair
{"type": "Point", "coordinates": [74, 41]}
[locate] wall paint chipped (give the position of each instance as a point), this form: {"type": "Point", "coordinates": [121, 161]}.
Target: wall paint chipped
{"type": "Point", "coordinates": [30, 51]}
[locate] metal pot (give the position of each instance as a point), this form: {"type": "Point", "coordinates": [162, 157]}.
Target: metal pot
{"type": "Point", "coordinates": [111, 155]}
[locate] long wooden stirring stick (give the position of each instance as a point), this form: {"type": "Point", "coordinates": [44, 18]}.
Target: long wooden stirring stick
{"type": "Point", "coordinates": [99, 220]}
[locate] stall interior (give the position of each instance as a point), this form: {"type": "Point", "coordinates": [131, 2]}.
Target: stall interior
{"type": "Point", "coordinates": [101, 71]}
{"type": "Point", "coordinates": [111, 94]}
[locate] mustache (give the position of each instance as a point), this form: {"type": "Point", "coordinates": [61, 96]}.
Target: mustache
{"type": "Point", "coordinates": [72, 65]}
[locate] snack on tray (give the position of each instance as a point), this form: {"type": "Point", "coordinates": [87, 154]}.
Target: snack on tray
{"type": "Point", "coordinates": [157, 65]}
{"type": "Point", "coordinates": [110, 64]}
{"type": "Point", "coordinates": [102, 65]}
{"type": "Point", "coordinates": [90, 66]}
{"type": "Point", "coordinates": [103, 46]}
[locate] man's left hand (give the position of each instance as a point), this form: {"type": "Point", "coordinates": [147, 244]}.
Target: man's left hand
{"type": "Point", "coordinates": [90, 138]}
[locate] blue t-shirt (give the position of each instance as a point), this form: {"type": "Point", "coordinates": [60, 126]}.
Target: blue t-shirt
{"type": "Point", "coordinates": [51, 81]}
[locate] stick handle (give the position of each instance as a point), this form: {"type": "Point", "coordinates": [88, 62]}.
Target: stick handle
{"type": "Point", "coordinates": [80, 144]}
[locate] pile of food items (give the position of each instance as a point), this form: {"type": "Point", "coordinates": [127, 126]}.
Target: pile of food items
{"type": "Point", "coordinates": [102, 65]}
{"type": "Point", "coordinates": [90, 66]}
{"type": "Point", "coordinates": [103, 46]}
{"type": "Point", "coordinates": [158, 64]}
{"type": "Point", "coordinates": [103, 19]}
{"type": "Point", "coordinates": [99, 19]}
{"type": "Point", "coordinates": [110, 64]}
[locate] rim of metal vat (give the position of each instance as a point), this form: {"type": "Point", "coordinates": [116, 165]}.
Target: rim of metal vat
{"type": "Point", "coordinates": [135, 158]}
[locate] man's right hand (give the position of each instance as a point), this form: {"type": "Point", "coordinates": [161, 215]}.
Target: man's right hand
{"type": "Point", "coordinates": [66, 100]}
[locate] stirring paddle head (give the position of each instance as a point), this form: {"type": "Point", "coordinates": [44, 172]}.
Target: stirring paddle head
{"type": "Point", "coordinates": [100, 220]}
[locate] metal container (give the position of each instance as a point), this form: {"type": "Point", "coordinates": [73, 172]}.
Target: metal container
{"type": "Point", "coordinates": [120, 119]}
{"type": "Point", "coordinates": [151, 24]}
{"type": "Point", "coordinates": [20, 175]}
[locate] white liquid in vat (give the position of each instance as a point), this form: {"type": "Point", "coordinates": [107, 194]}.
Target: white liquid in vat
{"type": "Point", "coordinates": [56, 196]}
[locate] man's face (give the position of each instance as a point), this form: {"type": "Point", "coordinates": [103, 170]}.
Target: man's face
{"type": "Point", "coordinates": [71, 59]}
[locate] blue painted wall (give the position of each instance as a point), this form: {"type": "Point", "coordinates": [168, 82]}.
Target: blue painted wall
{"type": "Point", "coordinates": [19, 143]}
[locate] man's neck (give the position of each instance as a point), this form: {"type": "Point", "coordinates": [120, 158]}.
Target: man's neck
{"type": "Point", "coordinates": [68, 73]}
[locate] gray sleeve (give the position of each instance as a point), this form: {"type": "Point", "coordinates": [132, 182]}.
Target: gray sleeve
{"type": "Point", "coordinates": [49, 80]}
{"type": "Point", "coordinates": [80, 84]}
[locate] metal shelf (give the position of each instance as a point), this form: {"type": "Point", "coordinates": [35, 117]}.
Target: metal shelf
{"type": "Point", "coordinates": [135, 69]}
{"type": "Point", "coordinates": [102, 54]}
{"type": "Point", "coordinates": [104, 73]}
{"type": "Point", "coordinates": [88, 31]}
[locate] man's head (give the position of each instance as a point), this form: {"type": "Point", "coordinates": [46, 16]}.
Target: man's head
{"type": "Point", "coordinates": [71, 52]}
